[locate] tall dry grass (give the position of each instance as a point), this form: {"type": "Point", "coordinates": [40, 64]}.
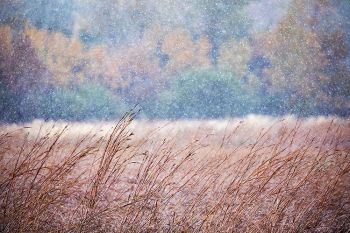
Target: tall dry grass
{"type": "Point", "coordinates": [246, 175]}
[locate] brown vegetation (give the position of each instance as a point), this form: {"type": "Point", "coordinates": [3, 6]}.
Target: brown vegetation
{"type": "Point", "coordinates": [254, 175]}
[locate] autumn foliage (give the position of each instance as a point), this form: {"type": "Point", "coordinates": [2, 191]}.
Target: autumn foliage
{"type": "Point", "coordinates": [299, 66]}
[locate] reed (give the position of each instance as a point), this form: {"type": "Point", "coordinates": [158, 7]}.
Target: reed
{"type": "Point", "coordinates": [283, 176]}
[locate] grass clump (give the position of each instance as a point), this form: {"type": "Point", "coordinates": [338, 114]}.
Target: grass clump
{"type": "Point", "coordinates": [286, 176]}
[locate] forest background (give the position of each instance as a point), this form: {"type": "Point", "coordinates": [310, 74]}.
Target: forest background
{"type": "Point", "coordinates": [84, 60]}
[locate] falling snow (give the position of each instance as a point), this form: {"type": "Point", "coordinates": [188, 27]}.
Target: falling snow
{"type": "Point", "coordinates": [83, 60]}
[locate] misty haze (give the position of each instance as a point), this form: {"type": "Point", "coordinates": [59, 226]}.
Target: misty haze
{"type": "Point", "coordinates": [174, 116]}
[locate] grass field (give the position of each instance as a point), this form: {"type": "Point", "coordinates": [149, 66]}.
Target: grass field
{"type": "Point", "coordinates": [255, 174]}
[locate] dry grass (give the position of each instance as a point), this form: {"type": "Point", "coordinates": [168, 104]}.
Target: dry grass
{"type": "Point", "coordinates": [256, 175]}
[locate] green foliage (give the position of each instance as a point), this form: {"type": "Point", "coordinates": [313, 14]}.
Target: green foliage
{"type": "Point", "coordinates": [300, 66]}
{"type": "Point", "coordinates": [214, 93]}
{"type": "Point", "coordinates": [226, 18]}
{"type": "Point", "coordinates": [206, 93]}
{"type": "Point", "coordinates": [8, 99]}
{"type": "Point", "coordinates": [88, 101]}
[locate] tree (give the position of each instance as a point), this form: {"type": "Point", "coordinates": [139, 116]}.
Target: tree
{"type": "Point", "coordinates": [85, 101]}
{"type": "Point", "coordinates": [296, 57]}
{"type": "Point", "coordinates": [308, 52]}
{"type": "Point", "coordinates": [6, 50]}
{"type": "Point", "coordinates": [206, 93]}
{"type": "Point", "coordinates": [21, 68]}
{"type": "Point", "coordinates": [183, 52]}
{"type": "Point", "coordinates": [224, 20]}
{"type": "Point", "coordinates": [54, 15]}
{"type": "Point", "coordinates": [235, 55]}
{"type": "Point", "coordinates": [332, 29]}
{"type": "Point", "coordinates": [63, 56]}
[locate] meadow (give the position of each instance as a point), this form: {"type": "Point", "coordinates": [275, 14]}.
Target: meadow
{"type": "Point", "coordinates": [252, 174]}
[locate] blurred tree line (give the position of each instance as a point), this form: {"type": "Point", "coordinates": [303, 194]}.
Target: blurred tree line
{"type": "Point", "coordinates": [175, 59]}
